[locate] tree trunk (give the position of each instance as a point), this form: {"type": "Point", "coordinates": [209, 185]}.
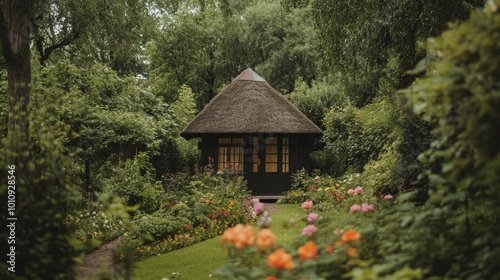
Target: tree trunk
{"type": "Point", "coordinates": [15, 38]}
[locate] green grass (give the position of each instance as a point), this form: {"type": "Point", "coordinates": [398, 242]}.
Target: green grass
{"type": "Point", "coordinates": [199, 261]}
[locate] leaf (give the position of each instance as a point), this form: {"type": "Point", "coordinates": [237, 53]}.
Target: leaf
{"type": "Point", "coordinates": [436, 179]}
{"type": "Point", "coordinates": [406, 221]}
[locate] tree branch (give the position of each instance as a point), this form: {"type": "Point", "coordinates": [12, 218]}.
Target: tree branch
{"type": "Point", "coordinates": [46, 53]}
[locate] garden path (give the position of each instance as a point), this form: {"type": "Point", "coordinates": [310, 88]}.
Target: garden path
{"type": "Point", "coordinates": [100, 260]}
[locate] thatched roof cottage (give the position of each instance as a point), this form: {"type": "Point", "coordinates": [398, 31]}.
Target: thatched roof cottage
{"type": "Point", "coordinates": [249, 127]}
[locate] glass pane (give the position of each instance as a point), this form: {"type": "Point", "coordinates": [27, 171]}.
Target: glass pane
{"type": "Point", "coordinates": [255, 156]}
{"type": "Point", "coordinates": [238, 141]}
{"type": "Point", "coordinates": [224, 140]}
{"type": "Point", "coordinates": [271, 167]}
{"type": "Point", "coordinates": [285, 157]}
{"type": "Point", "coordinates": [271, 154]}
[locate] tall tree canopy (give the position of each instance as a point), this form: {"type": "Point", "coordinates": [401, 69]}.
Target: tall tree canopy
{"type": "Point", "coordinates": [375, 42]}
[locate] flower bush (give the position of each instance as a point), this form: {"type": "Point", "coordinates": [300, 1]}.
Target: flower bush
{"type": "Point", "coordinates": [318, 255]}
{"type": "Point", "coordinates": [99, 222]}
{"type": "Point", "coordinates": [192, 210]}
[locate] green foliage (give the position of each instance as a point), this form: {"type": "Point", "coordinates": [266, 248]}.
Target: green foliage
{"type": "Point", "coordinates": [354, 136]}
{"type": "Point", "coordinates": [317, 100]}
{"type": "Point", "coordinates": [192, 210]}
{"type": "Point", "coordinates": [206, 49]}
{"type": "Point", "coordinates": [3, 103]}
{"type": "Point", "coordinates": [460, 96]}
{"type": "Point", "coordinates": [112, 33]}
{"type": "Point", "coordinates": [43, 198]}
{"type": "Point", "coordinates": [101, 116]}
{"type": "Point", "coordinates": [372, 50]}
{"type": "Point", "coordinates": [282, 46]}
{"type": "Point", "coordinates": [134, 181]}
{"type": "Point", "coordinates": [157, 226]}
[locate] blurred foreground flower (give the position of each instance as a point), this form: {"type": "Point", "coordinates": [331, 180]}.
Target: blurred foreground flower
{"type": "Point", "coordinates": [308, 251]}
{"type": "Point", "coordinates": [350, 235]}
{"type": "Point", "coordinates": [309, 230]}
{"type": "Point", "coordinates": [258, 208]}
{"type": "Point", "coordinates": [239, 235]}
{"type": "Point", "coordinates": [307, 205]}
{"type": "Point", "coordinates": [265, 239]}
{"type": "Point", "coordinates": [355, 208]}
{"type": "Point", "coordinates": [280, 259]}
{"type": "Point", "coordinates": [365, 207]}
{"type": "Point", "coordinates": [312, 217]}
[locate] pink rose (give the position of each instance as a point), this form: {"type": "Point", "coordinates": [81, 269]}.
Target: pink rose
{"type": "Point", "coordinates": [309, 230]}
{"type": "Point", "coordinates": [316, 178]}
{"type": "Point", "coordinates": [355, 208]}
{"type": "Point", "coordinates": [365, 207]}
{"type": "Point", "coordinates": [258, 208]}
{"type": "Point", "coordinates": [350, 192]}
{"type": "Point", "coordinates": [358, 190]}
{"type": "Point", "coordinates": [387, 197]}
{"type": "Point", "coordinates": [307, 205]}
{"type": "Point", "coordinates": [312, 217]}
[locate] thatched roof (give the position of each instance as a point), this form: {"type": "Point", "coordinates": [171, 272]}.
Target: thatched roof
{"type": "Point", "coordinates": [250, 105]}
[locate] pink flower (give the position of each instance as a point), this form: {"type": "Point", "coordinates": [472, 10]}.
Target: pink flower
{"type": "Point", "coordinates": [316, 178]}
{"type": "Point", "coordinates": [355, 208]}
{"type": "Point", "coordinates": [255, 200]}
{"type": "Point", "coordinates": [387, 197]}
{"type": "Point", "coordinates": [307, 205]}
{"type": "Point", "coordinates": [358, 190]}
{"type": "Point", "coordinates": [258, 208]}
{"type": "Point", "coordinates": [350, 192]}
{"type": "Point", "coordinates": [309, 230]}
{"type": "Point", "coordinates": [312, 217]}
{"type": "Point", "coordinates": [365, 207]}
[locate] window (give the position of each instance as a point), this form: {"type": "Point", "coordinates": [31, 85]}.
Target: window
{"type": "Point", "coordinates": [255, 155]}
{"type": "Point", "coordinates": [285, 155]}
{"type": "Point", "coordinates": [231, 154]}
{"type": "Point", "coordinates": [271, 154]}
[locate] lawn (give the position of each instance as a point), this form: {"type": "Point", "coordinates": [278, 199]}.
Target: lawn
{"type": "Point", "coordinates": [199, 261]}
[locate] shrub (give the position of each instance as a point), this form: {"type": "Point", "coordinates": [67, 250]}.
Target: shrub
{"type": "Point", "coordinates": [134, 181]}
{"type": "Point", "coordinates": [354, 136]}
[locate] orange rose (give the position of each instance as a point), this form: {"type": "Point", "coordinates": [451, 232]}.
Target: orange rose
{"type": "Point", "coordinates": [350, 236]}
{"type": "Point", "coordinates": [280, 259]}
{"type": "Point", "coordinates": [239, 235]}
{"type": "Point", "coordinates": [228, 236]}
{"type": "Point", "coordinates": [265, 239]}
{"type": "Point", "coordinates": [308, 251]}
{"type": "Point", "coordinates": [329, 249]}
{"type": "Point", "coordinates": [352, 252]}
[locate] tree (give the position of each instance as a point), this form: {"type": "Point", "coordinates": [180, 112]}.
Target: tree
{"type": "Point", "coordinates": [373, 43]}
{"type": "Point", "coordinates": [15, 40]}
{"type": "Point", "coordinates": [41, 249]}
{"type": "Point", "coordinates": [113, 33]}
{"type": "Point", "coordinates": [206, 48]}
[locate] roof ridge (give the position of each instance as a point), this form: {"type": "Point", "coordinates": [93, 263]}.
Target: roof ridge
{"type": "Point", "coordinates": [249, 75]}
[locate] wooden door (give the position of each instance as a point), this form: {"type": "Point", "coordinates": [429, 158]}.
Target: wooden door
{"type": "Point", "coordinates": [266, 166]}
